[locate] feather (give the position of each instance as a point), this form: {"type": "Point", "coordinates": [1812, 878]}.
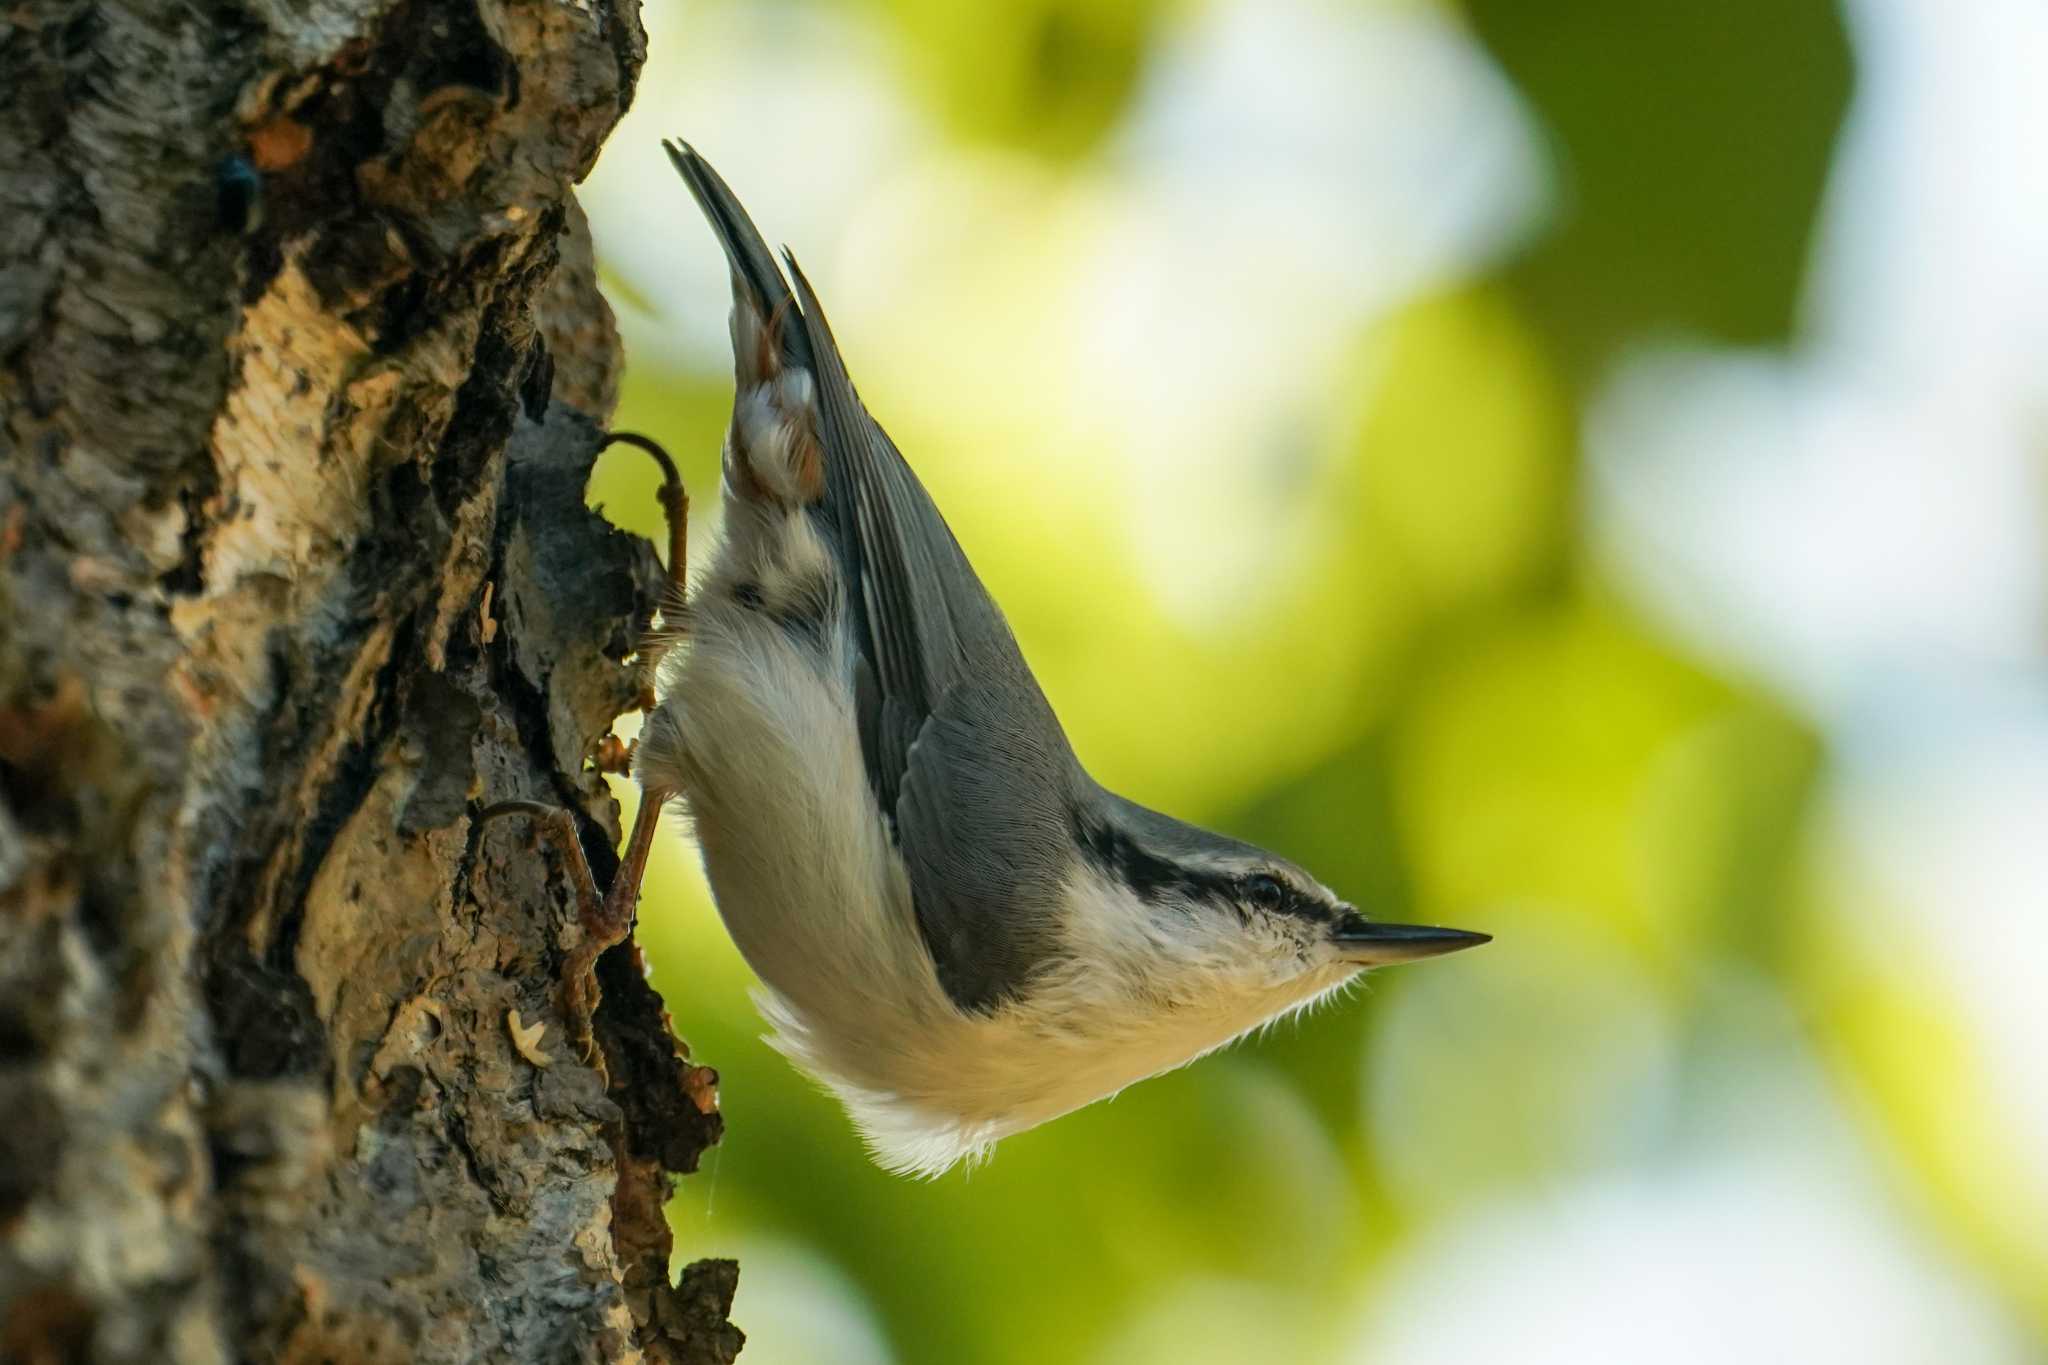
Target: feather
{"type": "Point", "coordinates": [753, 265]}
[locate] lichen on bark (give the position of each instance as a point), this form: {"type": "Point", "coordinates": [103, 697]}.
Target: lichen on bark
{"type": "Point", "coordinates": [302, 369]}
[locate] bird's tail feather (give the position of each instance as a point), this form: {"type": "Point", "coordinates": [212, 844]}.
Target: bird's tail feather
{"type": "Point", "coordinates": [753, 265]}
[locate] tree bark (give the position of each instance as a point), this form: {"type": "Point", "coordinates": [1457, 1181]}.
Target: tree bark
{"type": "Point", "coordinates": [302, 371]}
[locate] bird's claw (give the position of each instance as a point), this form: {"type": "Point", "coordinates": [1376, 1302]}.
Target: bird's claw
{"type": "Point", "coordinates": [595, 915]}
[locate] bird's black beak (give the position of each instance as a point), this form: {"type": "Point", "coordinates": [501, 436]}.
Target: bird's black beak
{"type": "Point", "coordinates": [1370, 943]}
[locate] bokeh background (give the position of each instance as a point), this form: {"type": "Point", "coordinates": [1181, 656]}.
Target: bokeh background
{"type": "Point", "coordinates": [1569, 469]}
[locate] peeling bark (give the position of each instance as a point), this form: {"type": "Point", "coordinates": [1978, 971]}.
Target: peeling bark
{"type": "Point", "coordinates": [302, 368]}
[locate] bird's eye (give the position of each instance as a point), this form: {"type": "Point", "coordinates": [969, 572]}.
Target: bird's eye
{"type": "Point", "coordinates": [1265, 893]}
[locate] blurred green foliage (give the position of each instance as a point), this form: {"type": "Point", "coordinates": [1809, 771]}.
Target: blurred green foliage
{"type": "Point", "coordinates": [1489, 737]}
{"type": "Point", "coordinates": [1050, 76]}
{"type": "Point", "coordinates": [1692, 143]}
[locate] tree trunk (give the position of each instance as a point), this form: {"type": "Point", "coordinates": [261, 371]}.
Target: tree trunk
{"type": "Point", "coordinates": [295, 577]}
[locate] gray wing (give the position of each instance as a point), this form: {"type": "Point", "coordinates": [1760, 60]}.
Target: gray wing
{"type": "Point", "coordinates": [963, 754]}
{"type": "Point", "coordinates": [962, 749]}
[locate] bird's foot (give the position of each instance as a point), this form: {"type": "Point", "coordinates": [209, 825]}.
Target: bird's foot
{"type": "Point", "coordinates": [605, 920]}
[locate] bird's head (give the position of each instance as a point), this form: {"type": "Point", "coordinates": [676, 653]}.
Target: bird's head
{"type": "Point", "coordinates": [1193, 916]}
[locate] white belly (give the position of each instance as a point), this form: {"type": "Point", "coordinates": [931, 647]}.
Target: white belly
{"type": "Point", "coordinates": [773, 778]}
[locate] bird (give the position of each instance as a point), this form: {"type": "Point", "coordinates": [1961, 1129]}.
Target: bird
{"type": "Point", "coordinates": [957, 931]}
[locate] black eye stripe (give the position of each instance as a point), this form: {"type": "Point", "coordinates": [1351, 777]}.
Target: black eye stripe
{"type": "Point", "coordinates": [1156, 878]}
{"type": "Point", "coordinates": [1152, 877]}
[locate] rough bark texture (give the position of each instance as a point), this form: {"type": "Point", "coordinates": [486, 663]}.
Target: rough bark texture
{"type": "Point", "coordinates": [295, 577]}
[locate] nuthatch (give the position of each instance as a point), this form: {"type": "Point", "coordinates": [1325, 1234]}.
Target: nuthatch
{"type": "Point", "coordinates": [958, 931]}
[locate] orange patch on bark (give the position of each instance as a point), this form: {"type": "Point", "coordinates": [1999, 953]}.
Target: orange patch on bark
{"type": "Point", "coordinates": [280, 143]}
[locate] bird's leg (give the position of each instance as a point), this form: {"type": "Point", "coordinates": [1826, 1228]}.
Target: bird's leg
{"type": "Point", "coordinates": [613, 917]}
{"type": "Point", "coordinates": [607, 922]}
{"type": "Point", "coordinates": [607, 919]}
{"type": "Point", "coordinates": [555, 826]}
{"type": "Point", "coordinates": [610, 920]}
